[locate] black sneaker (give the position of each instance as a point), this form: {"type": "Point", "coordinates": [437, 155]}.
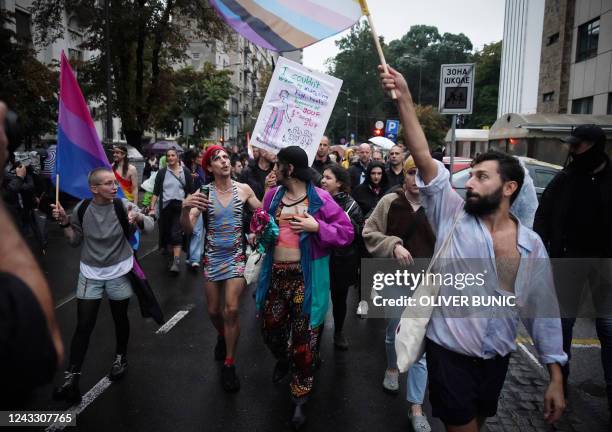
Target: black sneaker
{"type": "Point", "coordinates": [119, 368]}
{"type": "Point", "coordinates": [69, 390]}
{"type": "Point", "coordinates": [280, 370]}
{"type": "Point", "coordinates": [229, 379]}
{"type": "Point", "coordinates": [220, 351]}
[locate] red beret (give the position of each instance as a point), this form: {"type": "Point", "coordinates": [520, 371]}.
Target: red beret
{"type": "Point", "coordinates": [210, 151]}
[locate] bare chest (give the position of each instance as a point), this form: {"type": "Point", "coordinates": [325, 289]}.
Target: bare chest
{"type": "Point", "coordinates": [507, 259]}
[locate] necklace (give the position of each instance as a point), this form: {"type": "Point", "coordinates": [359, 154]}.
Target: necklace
{"type": "Point", "coordinates": [295, 199]}
{"type": "Point", "coordinates": [224, 190]}
{"type": "Point", "coordinates": [414, 203]}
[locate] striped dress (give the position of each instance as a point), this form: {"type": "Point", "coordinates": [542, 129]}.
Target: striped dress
{"type": "Point", "coordinates": [224, 256]}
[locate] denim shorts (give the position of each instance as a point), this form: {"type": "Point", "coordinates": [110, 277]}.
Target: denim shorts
{"type": "Point", "coordinates": [116, 289]}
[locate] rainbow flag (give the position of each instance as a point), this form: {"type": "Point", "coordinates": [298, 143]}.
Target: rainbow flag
{"type": "Point", "coordinates": [78, 147]}
{"type": "Point", "coordinates": [288, 25]}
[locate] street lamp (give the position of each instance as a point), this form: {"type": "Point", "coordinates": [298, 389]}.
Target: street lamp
{"type": "Point", "coordinates": [419, 61]}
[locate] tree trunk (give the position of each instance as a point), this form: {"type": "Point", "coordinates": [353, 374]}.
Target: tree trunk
{"type": "Point", "coordinates": [134, 138]}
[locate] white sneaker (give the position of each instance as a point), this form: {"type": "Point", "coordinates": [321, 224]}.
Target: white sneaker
{"type": "Point", "coordinates": [419, 423]}
{"type": "Point", "coordinates": [362, 308]}
{"type": "Point", "coordinates": [391, 381]}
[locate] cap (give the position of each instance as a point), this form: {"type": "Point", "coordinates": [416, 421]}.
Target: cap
{"type": "Point", "coordinates": [588, 132]}
{"type": "Point", "coordinates": [297, 157]}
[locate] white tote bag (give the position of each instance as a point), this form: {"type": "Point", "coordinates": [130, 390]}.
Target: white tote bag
{"type": "Point", "coordinates": [410, 332]}
{"type": "Point", "coordinates": [253, 267]}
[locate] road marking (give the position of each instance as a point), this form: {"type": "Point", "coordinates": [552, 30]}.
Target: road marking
{"type": "Point", "coordinates": [66, 300]}
{"type": "Point", "coordinates": [173, 321]}
{"type": "Point", "coordinates": [88, 398]}
{"type": "Point", "coordinates": [531, 356]}
{"type": "Point", "coordinates": [576, 342]}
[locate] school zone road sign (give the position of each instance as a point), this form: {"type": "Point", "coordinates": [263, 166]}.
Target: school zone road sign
{"type": "Point", "coordinates": [456, 88]}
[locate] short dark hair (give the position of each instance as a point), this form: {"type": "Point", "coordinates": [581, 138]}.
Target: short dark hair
{"type": "Point", "coordinates": [510, 169]}
{"type": "Point", "coordinates": [94, 174]}
{"type": "Point", "coordinates": [342, 176]}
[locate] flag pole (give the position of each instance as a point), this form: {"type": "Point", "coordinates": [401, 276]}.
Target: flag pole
{"type": "Point", "coordinates": [56, 190]}
{"type": "Point", "coordinates": [381, 55]}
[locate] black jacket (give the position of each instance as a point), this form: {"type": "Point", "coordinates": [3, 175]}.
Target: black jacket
{"type": "Point", "coordinates": [350, 206]}
{"type": "Point", "coordinates": [256, 178]}
{"type": "Point", "coordinates": [552, 222]}
{"type": "Point", "coordinates": [365, 195]}
{"type": "Point", "coordinates": [355, 170]}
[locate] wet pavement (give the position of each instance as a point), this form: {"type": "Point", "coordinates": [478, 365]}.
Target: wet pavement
{"type": "Point", "coordinates": [173, 383]}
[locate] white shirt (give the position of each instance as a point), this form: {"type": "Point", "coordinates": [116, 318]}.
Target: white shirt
{"type": "Point", "coordinates": [107, 273]}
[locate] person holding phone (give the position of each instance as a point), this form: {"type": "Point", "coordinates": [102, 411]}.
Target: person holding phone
{"type": "Point", "coordinates": [221, 202]}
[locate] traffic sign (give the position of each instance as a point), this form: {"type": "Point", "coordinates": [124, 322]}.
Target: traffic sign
{"type": "Point", "coordinates": [456, 88]}
{"type": "Point", "coordinates": [392, 129]}
{"type": "Point", "coordinates": [379, 125]}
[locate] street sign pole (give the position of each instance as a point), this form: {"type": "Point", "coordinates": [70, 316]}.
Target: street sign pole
{"type": "Point", "coordinates": [452, 149]}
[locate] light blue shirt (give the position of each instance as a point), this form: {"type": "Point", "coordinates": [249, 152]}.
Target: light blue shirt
{"type": "Point", "coordinates": [485, 332]}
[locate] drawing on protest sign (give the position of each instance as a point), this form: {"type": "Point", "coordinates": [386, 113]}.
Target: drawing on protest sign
{"type": "Point", "coordinates": [296, 108]}
{"type": "Point", "coordinates": [456, 88]}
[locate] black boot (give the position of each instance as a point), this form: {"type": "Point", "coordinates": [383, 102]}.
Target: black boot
{"type": "Point", "coordinates": [299, 414]}
{"type": "Point", "coordinates": [220, 350]}
{"type": "Point", "coordinates": [280, 370]}
{"type": "Point", "coordinates": [229, 380]}
{"type": "Point", "coordinates": [119, 367]}
{"type": "Point", "coordinates": [69, 390]}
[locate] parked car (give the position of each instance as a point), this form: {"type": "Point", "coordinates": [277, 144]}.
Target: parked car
{"type": "Point", "coordinates": [460, 163]}
{"type": "Point", "coordinates": [541, 172]}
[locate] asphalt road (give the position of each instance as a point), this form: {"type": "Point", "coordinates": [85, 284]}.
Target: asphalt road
{"type": "Point", "coordinates": [173, 383]}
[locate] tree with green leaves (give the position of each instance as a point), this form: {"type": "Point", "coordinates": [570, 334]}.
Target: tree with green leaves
{"type": "Point", "coordinates": [147, 38]}
{"type": "Point", "coordinates": [361, 95]}
{"type": "Point", "coordinates": [486, 86]}
{"type": "Point", "coordinates": [198, 95]}
{"type": "Point", "coordinates": [419, 54]}
{"type": "Point", "coordinates": [27, 85]}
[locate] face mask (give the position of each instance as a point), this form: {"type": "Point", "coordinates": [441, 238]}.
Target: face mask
{"type": "Point", "coordinates": [589, 160]}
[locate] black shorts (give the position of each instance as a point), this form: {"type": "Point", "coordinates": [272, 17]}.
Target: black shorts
{"type": "Point", "coordinates": [461, 387]}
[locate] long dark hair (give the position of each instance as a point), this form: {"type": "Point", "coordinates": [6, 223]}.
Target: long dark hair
{"type": "Point", "coordinates": [384, 181]}
{"type": "Point", "coordinates": [342, 176]}
{"type": "Point", "coordinates": [125, 161]}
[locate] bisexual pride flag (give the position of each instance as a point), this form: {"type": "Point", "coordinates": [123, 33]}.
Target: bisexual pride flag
{"type": "Point", "coordinates": [288, 25]}
{"type": "Point", "coordinates": [78, 147]}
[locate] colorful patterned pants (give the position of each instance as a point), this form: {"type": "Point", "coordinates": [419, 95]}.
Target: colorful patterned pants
{"type": "Point", "coordinates": [286, 331]}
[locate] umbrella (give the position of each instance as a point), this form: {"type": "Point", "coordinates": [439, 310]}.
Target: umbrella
{"type": "Point", "coordinates": [162, 147]}
{"type": "Point", "coordinates": [382, 142]}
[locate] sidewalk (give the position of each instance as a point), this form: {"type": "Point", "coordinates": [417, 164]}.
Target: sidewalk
{"type": "Point", "coordinates": [521, 406]}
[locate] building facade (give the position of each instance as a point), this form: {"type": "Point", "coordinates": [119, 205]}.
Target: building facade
{"type": "Point", "coordinates": [576, 69]}
{"type": "Point", "coordinates": [249, 65]}
{"type": "Point", "coordinates": [518, 84]}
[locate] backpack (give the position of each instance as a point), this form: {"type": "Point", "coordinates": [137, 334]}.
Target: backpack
{"type": "Point", "coordinates": [121, 215]}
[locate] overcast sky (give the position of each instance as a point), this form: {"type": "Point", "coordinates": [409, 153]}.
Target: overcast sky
{"type": "Point", "coordinates": [480, 20]}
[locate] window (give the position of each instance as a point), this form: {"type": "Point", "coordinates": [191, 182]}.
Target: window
{"type": "Point", "coordinates": [195, 55]}
{"type": "Point", "coordinates": [548, 97]}
{"type": "Point", "coordinates": [609, 103]}
{"type": "Point", "coordinates": [552, 39]}
{"type": "Point", "coordinates": [588, 39]}
{"type": "Point", "coordinates": [23, 24]}
{"type": "Point", "coordinates": [583, 105]}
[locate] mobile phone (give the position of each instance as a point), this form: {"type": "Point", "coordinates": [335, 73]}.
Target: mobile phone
{"type": "Point", "coordinates": [205, 190]}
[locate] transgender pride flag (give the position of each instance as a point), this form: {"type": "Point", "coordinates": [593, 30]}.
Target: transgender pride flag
{"type": "Point", "coordinates": [288, 25]}
{"type": "Point", "coordinates": [78, 146]}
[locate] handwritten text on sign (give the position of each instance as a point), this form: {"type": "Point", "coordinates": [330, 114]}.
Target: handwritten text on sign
{"type": "Point", "coordinates": [296, 108]}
